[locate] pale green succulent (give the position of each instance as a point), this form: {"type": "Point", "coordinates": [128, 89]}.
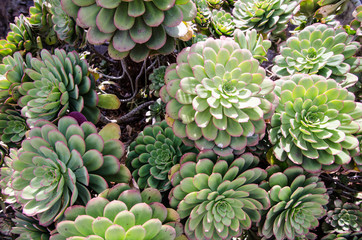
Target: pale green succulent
{"type": "Point", "coordinates": [59, 166]}
{"type": "Point", "coordinates": [320, 49]}
{"type": "Point", "coordinates": [126, 214]}
{"type": "Point", "coordinates": [222, 23]}
{"type": "Point", "coordinates": [136, 28]}
{"type": "Point", "coordinates": [296, 200]}
{"type": "Point", "coordinates": [264, 15]}
{"type": "Point", "coordinates": [313, 125]}
{"type": "Point", "coordinates": [220, 97]}
{"type": "Point", "coordinates": [219, 196]}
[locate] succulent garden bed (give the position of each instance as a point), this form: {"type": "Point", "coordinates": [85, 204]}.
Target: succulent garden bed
{"type": "Point", "coordinates": [181, 119]}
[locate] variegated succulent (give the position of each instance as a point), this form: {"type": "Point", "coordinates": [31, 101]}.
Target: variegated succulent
{"type": "Point", "coordinates": [153, 153]}
{"type": "Point", "coordinates": [12, 75]}
{"type": "Point", "coordinates": [60, 83]}
{"type": "Point", "coordinates": [297, 201]}
{"type": "Point", "coordinates": [12, 125]}
{"type": "Point", "coordinates": [345, 217]}
{"type": "Point", "coordinates": [156, 112]}
{"type": "Point", "coordinates": [264, 15]}
{"type": "Point", "coordinates": [136, 28]}
{"type": "Point", "coordinates": [320, 49]}
{"type": "Point", "coordinates": [313, 125]}
{"type": "Point", "coordinates": [222, 23]}
{"type": "Point", "coordinates": [58, 166]}
{"type": "Point", "coordinates": [219, 195]}
{"type": "Point", "coordinates": [254, 42]}
{"type": "Point", "coordinates": [128, 215]}
{"type": "Point", "coordinates": [220, 96]}
{"type": "Point", "coordinates": [20, 38]}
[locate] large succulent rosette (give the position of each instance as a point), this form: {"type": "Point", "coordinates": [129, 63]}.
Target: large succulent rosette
{"type": "Point", "coordinates": [153, 153]}
{"type": "Point", "coordinates": [125, 213]}
{"type": "Point", "coordinates": [219, 196]}
{"type": "Point", "coordinates": [314, 123]}
{"type": "Point", "coordinates": [58, 166]}
{"type": "Point", "coordinates": [320, 49]}
{"type": "Point", "coordinates": [297, 201]}
{"type": "Point", "coordinates": [264, 15]}
{"type": "Point", "coordinates": [133, 27]}
{"type": "Point", "coordinates": [219, 95]}
{"type": "Point", "coordinates": [61, 84]}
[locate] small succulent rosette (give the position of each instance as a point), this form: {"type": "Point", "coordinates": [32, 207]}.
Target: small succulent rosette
{"type": "Point", "coordinates": [136, 28]}
{"type": "Point", "coordinates": [58, 166]}
{"type": "Point", "coordinates": [121, 213]}
{"type": "Point", "coordinates": [218, 196]}
{"type": "Point", "coordinates": [218, 96]}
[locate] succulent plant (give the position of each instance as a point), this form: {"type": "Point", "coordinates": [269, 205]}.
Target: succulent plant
{"type": "Point", "coordinates": [6, 171]}
{"type": "Point", "coordinates": [20, 38]}
{"type": "Point", "coordinates": [219, 195]}
{"type": "Point", "coordinates": [215, 3]}
{"type": "Point", "coordinates": [64, 26]}
{"type": "Point", "coordinates": [220, 96]}
{"type": "Point", "coordinates": [203, 14]}
{"type": "Point", "coordinates": [356, 23]}
{"type": "Point", "coordinates": [253, 42]}
{"type": "Point", "coordinates": [57, 164]}
{"type": "Point", "coordinates": [343, 236]}
{"type": "Point", "coordinates": [222, 23]}
{"type": "Point", "coordinates": [320, 49]}
{"type": "Point", "coordinates": [135, 28]}
{"type": "Point", "coordinates": [153, 153]}
{"type": "Point", "coordinates": [297, 201]}
{"type": "Point", "coordinates": [345, 217]}
{"type": "Point", "coordinates": [12, 75]}
{"type": "Point", "coordinates": [157, 79]}
{"type": "Point", "coordinates": [264, 15]}
{"type": "Point", "coordinates": [331, 7]}
{"type": "Point", "coordinates": [156, 112]}
{"type": "Point", "coordinates": [314, 123]}
{"type": "Point", "coordinates": [131, 215]}
{"type": "Point", "coordinates": [29, 228]}
{"type": "Point", "coordinates": [12, 125]}
{"type": "Point", "coordinates": [61, 83]}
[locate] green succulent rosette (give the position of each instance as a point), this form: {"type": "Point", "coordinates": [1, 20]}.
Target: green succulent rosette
{"type": "Point", "coordinates": [222, 23]}
{"type": "Point", "coordinates": [128, 215]}
{"type": "Point", "coordinates": [345, 217]}
{"type": "Point", "coordinates": [219, 195]}
{"type": "Point", "coordinates": [6, 171]}
{"type": "Point", "coordinates": [313, 125]}
{"type": "Point", "coordinates": [20, 38]}
{"type": "Point", "coordinates": [58, 166]}
{"type": "Point", "coordinates": [156, 112]}
{"type": "Point", "coordinates": [296, 200]}
{"type": "Point", "coordinates": [29, 228]}
{"type": "Point", "coordinates": [356, 23]}
{"type": "Point", "coordinates": [153, 153]}
{"type": "Point", "coordinates": [203, 15]}
{"type": "Point", "coordinates": [215, 3]}
{"type": "Point", "coordinates": [320, 49]}
{"type": "Point", "coordinates": [264, 16]}
{"type": "Point", "coordinates": [12, 125]}
{"type": "Point", "coordinates": [60, 84]}
{"type": "Point", "coordinates": [12, 75]}
{"type": "Point", "coordinates": [136, 28]}
{"type": "Point", "coordinates": [219, 96]}
{"type": "Point", "coordinates": [157, 79]}
{"type": "Point", "coordinates": [254, 42]}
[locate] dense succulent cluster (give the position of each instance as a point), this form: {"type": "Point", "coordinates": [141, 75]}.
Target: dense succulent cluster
{"type": "Point", "coordinates": [60, 83]}
{"type": "Point", "coordinates": [12, 125]}
{"type": "Point", "coordinates": [57, 164]}
{"type": "Point", "coordinates": [157, 79]}
{"type": "Point", "coordinates": [220, 96]}
{"type": "Point", "coordinates": [320, 49]}
{"type": "Point", "coordinates": [264, 15]}
{"type": "Point", "coordinates": [253, 42]}
{"type": "Point", "coordinates": [222, 23]}
{"type": "Point", "coordinates": [345, 217]}
{"type": "Point", "coordinates": [203, 14]}
{"type": "Point", "coordinates": [129, 215]}
{"type": "Point", "coordinates": [297, 201]}
{"type": "Point", "coordinates": [314, 123]}
{"type": "Point", "coordinates": [220, 196]}
{"type": "Point", "coordinates": [153, 153]}
{"type": "Point", "coordinates": [135, 28]}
